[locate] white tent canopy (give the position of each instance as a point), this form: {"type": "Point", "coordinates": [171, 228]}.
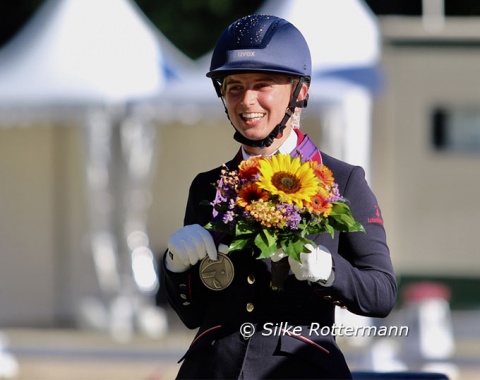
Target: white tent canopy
{"type": "Point", "coordinates": [84, 52]}
{"type": "Point", "coordinates": [342, 34]}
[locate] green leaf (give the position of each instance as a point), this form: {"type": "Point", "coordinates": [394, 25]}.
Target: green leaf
{"type": "Point", "coordinates": [219, 227]}
{"type": "Point", "coordinates": [293, 247]}
{"type": "Point", "coordinates": [239, 244]}
{"type": "Point", "coordinates": [341, 219]}
{"type": "Point", "coordinates": [267, 243]}
{"type": "Point", "coordinates": [244, 228]}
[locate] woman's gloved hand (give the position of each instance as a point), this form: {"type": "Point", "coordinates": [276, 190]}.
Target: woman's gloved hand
{"type": "Point", "coordinates": [315, 266]}
{"type": "Point", "coordinates": [187, 246]}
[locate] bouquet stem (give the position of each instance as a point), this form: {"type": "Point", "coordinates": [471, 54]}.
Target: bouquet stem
{"type": "Point", "coordinates": [280, 271]}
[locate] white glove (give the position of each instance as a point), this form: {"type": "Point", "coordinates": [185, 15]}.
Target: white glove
{"type": "Point", "coordinates": [188, 245]}
{"type": "Point", "coordinates": [315, 266]}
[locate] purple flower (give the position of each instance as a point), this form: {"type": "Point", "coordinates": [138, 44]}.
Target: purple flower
{"type": "Point", "coordinates": [335, 194]}
{"type": "Point", "coordinates": [292, 215]}
{"type": "Point", "coordinates": [228, 217]}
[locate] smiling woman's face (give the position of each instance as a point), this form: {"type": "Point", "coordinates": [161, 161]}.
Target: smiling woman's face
{"type": "Point", "coordinates": [256, 102]}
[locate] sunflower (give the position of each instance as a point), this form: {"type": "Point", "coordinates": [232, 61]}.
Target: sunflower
{"type": "Point", "coordinates": [292, 181]}
{"type": "Point", "coordinates": [250, 193]}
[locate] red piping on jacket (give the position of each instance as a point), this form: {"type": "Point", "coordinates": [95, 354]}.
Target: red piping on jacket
{"type": "Point", "coordinates": [306, 340]}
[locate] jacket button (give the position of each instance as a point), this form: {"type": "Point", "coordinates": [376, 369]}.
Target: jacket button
{"type": "Point", "coordinates": [250, 307]}
{"type": "Point", "coordinates": [251, 279]}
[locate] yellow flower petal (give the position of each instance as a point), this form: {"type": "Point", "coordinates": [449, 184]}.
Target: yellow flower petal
{"type": "Point", "coordinates": [290, 180]}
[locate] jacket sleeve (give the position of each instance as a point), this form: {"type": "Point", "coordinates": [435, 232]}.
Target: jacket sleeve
{"type": "Point", "coordinates": [185, 291]}
{"type": "Point", "coordinates": [183, 295]}
{"type": "Point", "coordinates": [365, 281]}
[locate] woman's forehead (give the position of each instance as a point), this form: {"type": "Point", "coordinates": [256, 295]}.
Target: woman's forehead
{"type": "Point", "coordinates": [278, 78]}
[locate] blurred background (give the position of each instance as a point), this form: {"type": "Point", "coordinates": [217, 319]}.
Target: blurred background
{"type": "Point", "coordinates": [106, 116]}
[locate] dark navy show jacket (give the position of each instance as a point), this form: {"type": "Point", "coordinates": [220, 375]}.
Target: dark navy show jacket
{"type": "Point", "coordinates": [364, 283]}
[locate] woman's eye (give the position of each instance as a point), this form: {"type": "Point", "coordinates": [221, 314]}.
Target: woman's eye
{"type": "Point", "coordinates": [234, 88]}
{"type": "Point", "coordinates": [263, 86]}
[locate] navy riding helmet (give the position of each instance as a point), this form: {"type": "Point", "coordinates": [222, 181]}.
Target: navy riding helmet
{"type": "Point", "coordinates": [262, 43]}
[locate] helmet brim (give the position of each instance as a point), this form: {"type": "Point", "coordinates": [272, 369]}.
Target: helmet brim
{"type": "Point", "coordinates": [221, 73]}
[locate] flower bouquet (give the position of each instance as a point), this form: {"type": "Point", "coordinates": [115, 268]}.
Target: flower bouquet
{"type": "Point", "coordinates": [275, 202]}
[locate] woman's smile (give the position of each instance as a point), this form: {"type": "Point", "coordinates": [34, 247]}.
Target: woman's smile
{"type": "Point", "coordinates": [252, 118]}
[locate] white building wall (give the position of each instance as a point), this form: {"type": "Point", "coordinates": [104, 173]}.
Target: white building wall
{"type": "Point", "coordinates": [429, 197]}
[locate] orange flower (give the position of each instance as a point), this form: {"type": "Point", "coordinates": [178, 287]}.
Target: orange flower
{"type": "Point", "coordinates": [319, 203]}
{"type": "Point", "coordinates": [248, 168]}
{"type": "Point", "coordinates": [323, 173]}
{"type": "Point", "coordinates": [250, 193]}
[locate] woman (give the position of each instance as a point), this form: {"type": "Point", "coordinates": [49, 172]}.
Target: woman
{"type": "Point", "coordinates": [261, 69]}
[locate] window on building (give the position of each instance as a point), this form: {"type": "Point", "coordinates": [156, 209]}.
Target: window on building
{"type": "Point", "coordinates": [456, 129]}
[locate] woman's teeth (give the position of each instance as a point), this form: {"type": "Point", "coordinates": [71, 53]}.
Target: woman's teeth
{"type": "Point", "coordinates": [254, 116]}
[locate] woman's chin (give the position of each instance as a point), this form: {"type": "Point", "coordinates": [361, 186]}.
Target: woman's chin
{"type": "Point", "coordinates": [252, 135]}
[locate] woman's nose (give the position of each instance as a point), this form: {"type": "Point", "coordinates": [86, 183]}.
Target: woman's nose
{"type": "Point", "coordinates": [249, 97]}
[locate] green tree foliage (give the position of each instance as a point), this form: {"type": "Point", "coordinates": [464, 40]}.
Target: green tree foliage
{"type": "Point", "coordinates": [13, 15]}
{"type": "Point", "coordinates": [192, 25]}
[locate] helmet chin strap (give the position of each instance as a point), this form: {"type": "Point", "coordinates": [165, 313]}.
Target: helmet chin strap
{"type": "Point", "coordinates": [277, 132]}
